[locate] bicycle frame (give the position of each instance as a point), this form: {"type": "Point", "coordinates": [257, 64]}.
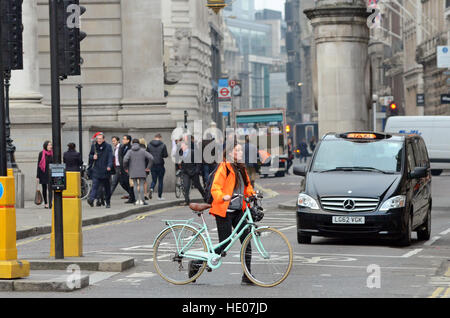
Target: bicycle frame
{"type": "Point", "coordinates": [214, 260]}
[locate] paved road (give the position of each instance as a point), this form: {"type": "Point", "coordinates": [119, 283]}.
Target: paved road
{"type": "Point", "coordinates": [326, 268]}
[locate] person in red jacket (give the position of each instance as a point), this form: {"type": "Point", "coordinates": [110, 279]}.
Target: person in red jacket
{"type": "Point", "coordinates": [230, 179]}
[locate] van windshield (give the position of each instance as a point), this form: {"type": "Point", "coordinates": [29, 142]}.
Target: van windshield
{"type": "Point", "coordinates": [377, 156]}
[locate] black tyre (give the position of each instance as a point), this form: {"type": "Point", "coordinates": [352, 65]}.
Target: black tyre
{"type": "Point", "coordinates": [436, 172]}
{"type": "Point", "coordinates": [424, 232]}
{"type": "Point", "coordinates": [405, 239]}
{"type": "Point", "coordinates": [304, 239]}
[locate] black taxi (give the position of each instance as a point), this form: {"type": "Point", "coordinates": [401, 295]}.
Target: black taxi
{"type": "Point", "coordinates": [365, 184]}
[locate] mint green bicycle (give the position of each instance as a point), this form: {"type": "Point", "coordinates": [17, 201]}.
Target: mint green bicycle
{"type": "Point", "coordinates": [267, 262]}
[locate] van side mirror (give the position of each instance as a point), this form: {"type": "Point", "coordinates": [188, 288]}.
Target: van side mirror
{"type": "Point", "coordinates": [300, 170]}
{"type": "Point", "coordinates": [418, 173]}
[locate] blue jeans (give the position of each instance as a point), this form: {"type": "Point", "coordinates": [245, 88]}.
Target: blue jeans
{"type": "Point", "coordinates": [158, 172]}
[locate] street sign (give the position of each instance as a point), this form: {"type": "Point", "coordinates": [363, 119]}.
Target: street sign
{"type": "Point", "coordinates": [224, 90]}
{"type": "Point", "coordinates": [224, 107]}
{"type": "Point", "coordinates": [443, 56]}
{"type": "Point", "coordinates": [237, 89]}
{"type": "Point", "coordinates": [445, 99]}
{"type": "Point", "coordinates": [420, 99]}
{"type": "Point", "coordinates": [232, 83]}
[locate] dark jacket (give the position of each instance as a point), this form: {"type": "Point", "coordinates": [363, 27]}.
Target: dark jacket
{"type": "Point", "coordinates": [123, 149]}
{"type": "Point", "coordinates": [189, 166]}
{"type": "Point", "coordinates": [158, 150]}
{"type": "Point", "coordinates": [250, 155]}
{"type": "Point", "coordinates": [44, 177]}
{"type": "Point", "coordinates": [211, 151]}
{"type": "Point", "coordinates": [104, 160]}
{"type": "Point", "coordinates": [73, 160]}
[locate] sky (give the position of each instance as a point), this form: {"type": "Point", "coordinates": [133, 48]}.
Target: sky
{"type": "Point", "coordinates": [270, 4]}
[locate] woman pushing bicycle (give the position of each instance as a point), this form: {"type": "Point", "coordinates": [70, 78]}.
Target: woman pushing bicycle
{"type": "Point", "coordinates": [230, 187]}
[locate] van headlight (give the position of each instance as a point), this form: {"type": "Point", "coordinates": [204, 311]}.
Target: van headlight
{"type": "Point", "coordinates": [306, 201]}
{"type": "Point", "coordinates": [394, 203]}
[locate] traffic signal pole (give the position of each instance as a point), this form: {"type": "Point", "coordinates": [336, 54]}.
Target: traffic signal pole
{"type": "Point", "coordinates": [56, 125]}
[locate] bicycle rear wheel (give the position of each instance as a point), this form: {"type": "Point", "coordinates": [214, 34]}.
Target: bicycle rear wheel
{"type": "Point", "coordinates": [169, 264]}
{"type": "Point", "coordinates": [270, 254]}
{"type": "Point", "coordinates": [86, 187]}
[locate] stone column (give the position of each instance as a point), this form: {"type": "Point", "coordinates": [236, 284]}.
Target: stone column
{"type": "Point", "coordinates": [30, 119]}
{"type": "Point", "coordinates": [142, 59]}
{"type": "Point", "coordinates": [343, 67]}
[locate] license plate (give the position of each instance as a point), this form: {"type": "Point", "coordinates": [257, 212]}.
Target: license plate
{"type": "Point", "coordinates": [349, 220]}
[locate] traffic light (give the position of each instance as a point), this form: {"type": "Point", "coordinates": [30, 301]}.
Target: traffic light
{"type": "Point", "coordinates": [69, 37]}
{"type": "Point", "coordinates": [393, 109]}
{"type": "Point", "coordinates": [11, 34]}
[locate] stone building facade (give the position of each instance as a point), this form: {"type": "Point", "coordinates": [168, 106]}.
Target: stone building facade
{"type": "Point", "coordinates": [145, 62]}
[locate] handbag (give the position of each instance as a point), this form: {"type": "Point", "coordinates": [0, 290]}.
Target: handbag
{"type": "Point", "coordinates": [38, 197]}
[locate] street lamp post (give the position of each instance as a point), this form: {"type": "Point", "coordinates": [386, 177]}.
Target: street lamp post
{"type": "Point", "coordinates": [56, 125]}
{"type": "Point", "coordinates": [80, 121]}
{"type": "Point", "coordinates": [10, 148]}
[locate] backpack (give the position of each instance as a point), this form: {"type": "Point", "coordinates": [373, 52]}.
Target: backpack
{"type": "Point", "coordinates": [208, 195]}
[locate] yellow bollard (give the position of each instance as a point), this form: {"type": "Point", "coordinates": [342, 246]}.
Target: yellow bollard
{"type": "Point", "coordinates": [10, 267]}
{"type": "Point", "coordinates": [72, 220]}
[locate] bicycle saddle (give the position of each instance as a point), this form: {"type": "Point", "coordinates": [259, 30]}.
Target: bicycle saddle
{"type": "Point", "coordinates": [199, 207]}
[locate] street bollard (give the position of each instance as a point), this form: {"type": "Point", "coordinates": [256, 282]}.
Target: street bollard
{"type": "Point", "coordinates": [10, 267]}
{"type": "Point", "coordinates": [72, 220]}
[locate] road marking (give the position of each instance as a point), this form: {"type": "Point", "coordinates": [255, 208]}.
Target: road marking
{"type": "Point", "coordinates": [142, 275]}
{"type": "Point", "coordinates": [287, 228]}
{"type": "Point", "coordinates": [414, 252]}
{"type": "Point", "coordinates": [96, 277]}
{"type": "Point", "coordinates": [271, 193]}
{"type": "Point", "coordinates": [447, 231]}
{"type": "Point", "coordinates": [437, 292]}
{"type": "Point", "coordinates": [447, 274]}
{"type": "Point", "coordinates": [434, 239]}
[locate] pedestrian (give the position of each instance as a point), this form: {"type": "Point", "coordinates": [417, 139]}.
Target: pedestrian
{"type": "Point", "coordinates": [191, 169]}
{"type": "Point", "coordinates": [159, 152]}
{"type": "Point", "coordinates": [101, 157]}
{"type": "Point", "coordinates": [115, 141]}
{"type": "Point", "coordinates": [72, 158]}
{"type": "Point", "coordinates": [303, 147]}
{"type": "Point", "coordinates": [143, 145]}
{"type": "Point", "coordinates": [135, 165]}
{"type": "Point", "coordinates": [45, 158]}
{"type": "Point", "coordinates": [209, 160]}
{"type": "Point", "coordinates": [251, 159]}
{"type": "Point", "coordinates": [312, 143]}
{"type": "Point", "coordinates": [124, 178]}
{"type": "Point", "coordinates": [290, 155]}
{"type": "Point", "coordinates": [231, 179]}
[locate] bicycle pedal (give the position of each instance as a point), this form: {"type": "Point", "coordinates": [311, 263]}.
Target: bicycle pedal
{"type": "Point", "coordinates": [208, 269]}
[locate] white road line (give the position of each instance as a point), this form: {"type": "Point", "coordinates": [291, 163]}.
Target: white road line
{"type": "Point", "coordinates": [96, 277]}
{"type": "Point", "coordinates": [447, 231]}
{"type": "Point", "coordinates": [434, 239]}
{"type": "Point", "coordinates": [413, 252]}
{"type": "Point", "coordinates": [287, 228]}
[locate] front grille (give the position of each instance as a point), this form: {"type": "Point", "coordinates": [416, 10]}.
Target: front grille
{"type": "Point", "coordinates": [348, 204]}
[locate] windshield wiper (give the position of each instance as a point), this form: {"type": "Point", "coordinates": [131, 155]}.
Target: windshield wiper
{"type": "Point", "coordinates": [357, 169]}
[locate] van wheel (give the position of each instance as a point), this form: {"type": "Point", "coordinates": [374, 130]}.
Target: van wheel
{"type": "Point", "coordinates": [436, 172]}
{"type": "Point", "coordinates": [405, 239]}
{"type": "Point", "coordinates": [424, 233]}
{"type": "Point", "coordinates": [304, 239]}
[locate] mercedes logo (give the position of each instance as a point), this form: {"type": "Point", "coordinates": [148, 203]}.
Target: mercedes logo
{"type": "Point", "coordinates": [349, 204]}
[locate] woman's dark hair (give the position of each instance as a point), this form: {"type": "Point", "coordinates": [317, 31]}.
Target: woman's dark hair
{"type": "Point", "coordinates": [46, 144]}
{"type": "Point", "coordinates": [116, 138]}
{"type": "Point", "coordinates": [229, 147]}
{"type": "Point", "coordinates": [71, 146]}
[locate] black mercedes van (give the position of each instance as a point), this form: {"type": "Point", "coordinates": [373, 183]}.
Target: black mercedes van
{"type": "Point", "coordinates": [364, 184]}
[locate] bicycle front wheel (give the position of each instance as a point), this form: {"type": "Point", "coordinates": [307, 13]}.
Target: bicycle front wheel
{"type": "Point", "coordinates": [86, 187]}
{"type": "Point", "coordinates": [266, 257]}
{"type": "Point", "coordinates": [169, 264]}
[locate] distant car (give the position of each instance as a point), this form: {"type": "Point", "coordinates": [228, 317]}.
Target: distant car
{"type": "Point", "coordinates": [366, 185]}
{"type": "Point", "coordinates": [435, 130]}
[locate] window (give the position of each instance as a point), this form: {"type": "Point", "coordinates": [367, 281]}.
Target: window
{"type": "Point", "coordinates": [411, 160]}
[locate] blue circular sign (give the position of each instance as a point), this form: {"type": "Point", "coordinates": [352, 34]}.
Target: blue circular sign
{"type": "Point", "coordinates": [445, 50]}
{"type": "Point", "coordinates": [1, 190]}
